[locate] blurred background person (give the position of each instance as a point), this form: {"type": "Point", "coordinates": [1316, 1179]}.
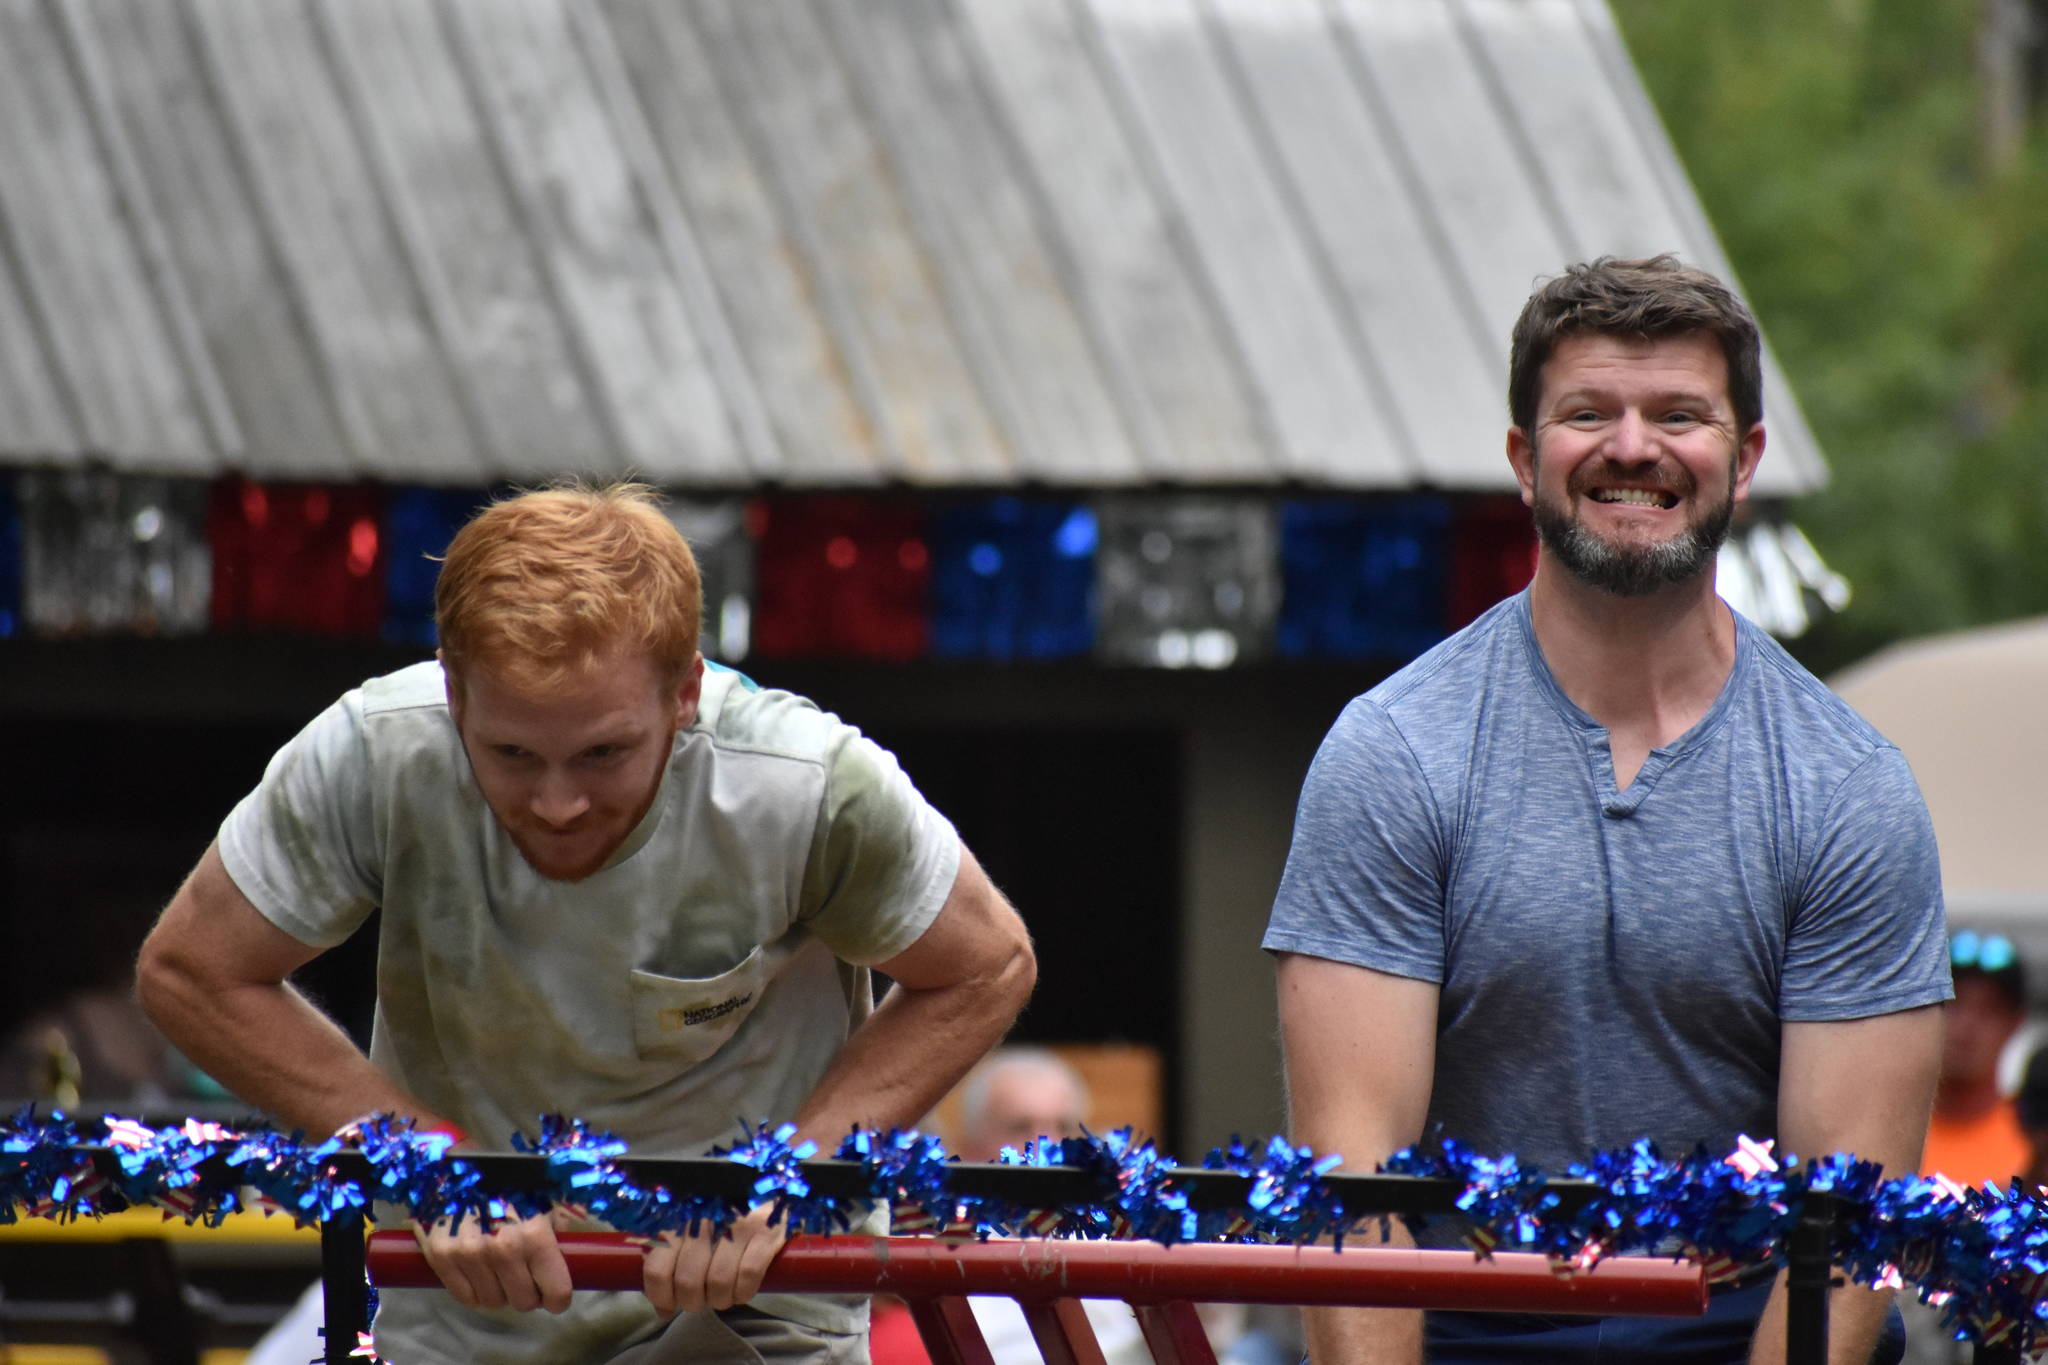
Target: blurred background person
{"type": "Point", "coordinates": [2032, 1106]}
{"type": "Point", "coordinates": [1978, 1132]}
{"type": "Point", "coordinates": [1975, 1134]}
{"type": "Point", "coordinates": [71, 1035]}
{"type": "Point", "coordinates": [1015, 1095]}
{"type": "Point", "coordinates": [95, 1050]}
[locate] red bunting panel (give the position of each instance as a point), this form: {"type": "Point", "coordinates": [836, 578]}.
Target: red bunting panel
{"type": "Point", "coordinates": [1493, 555]}
{"type": "Point", "coordinates": [842, 575]}
{"type": "Point", "coordinates": [297, 556]}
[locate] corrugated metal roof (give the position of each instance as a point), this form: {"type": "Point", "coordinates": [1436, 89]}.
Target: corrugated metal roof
{"type": "Point", "coordinates": [729, 242]}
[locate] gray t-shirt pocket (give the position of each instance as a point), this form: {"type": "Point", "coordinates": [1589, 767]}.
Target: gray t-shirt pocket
{"type": "Point", "coordinates": [686, 1019]}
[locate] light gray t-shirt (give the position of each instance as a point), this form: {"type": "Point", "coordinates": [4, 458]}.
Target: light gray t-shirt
{"type": "Point", "coordinates": [1614, 964]}
{"type": "Point", "coordinates": [707, 974]}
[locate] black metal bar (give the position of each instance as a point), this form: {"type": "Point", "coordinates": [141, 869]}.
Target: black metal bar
{"type": "Point", "coordinates": [163, 1321]}
{"type": "Point", "coordinates": [1029, 1186]}
{"type": "Point", "coordinates": [344, 1287]}
{"type": "Point", "coordinates": [1809, 1276]}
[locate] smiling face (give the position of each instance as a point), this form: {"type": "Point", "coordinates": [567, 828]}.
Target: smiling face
{"type": "Point", "coordinates": [570, 773]}
{"type": "Point", "coordinates": [1636, 461]}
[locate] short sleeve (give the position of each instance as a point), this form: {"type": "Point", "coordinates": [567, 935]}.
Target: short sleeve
{"type": "Point", "coordinates": [1365, 874]}
{"type": "Point", "coordinates": [882, 860]}
{"type": "Point", "coordinates": [301, 846]}
{"type": "Point", "coordinates": [1868, 934]}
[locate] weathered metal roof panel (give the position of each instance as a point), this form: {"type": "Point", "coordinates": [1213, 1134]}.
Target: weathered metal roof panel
{"type": "Point", "coordinates": [1399, 293]}
{"type": "Point", "coordinates": [1469, 176]}
{"type": "Point", "coordinates": [1189, 404]}
{"type": "Point", "coordinates": [37, 409]}
{"type": "Point", "coordinates": [252, 340]}
{"type": "Point", "coordinates": [991, 249]}
{"type": "Point", "coordinates": [842, 209]}
{"type": "Point", "coordinates": [652, 381]}
{"type": "Point", "coordinates": [330, 220]}
{"type": "Point", "coordinates": [482, 293]}
{"type": "Point", "coordinates": [1267, 283]}
{"type": "Point", "coordinates": [793, 386]}
{"type": "Point", "coordinates": [79, 238]}
{"type": "Point", "coordinates": [722, 243]}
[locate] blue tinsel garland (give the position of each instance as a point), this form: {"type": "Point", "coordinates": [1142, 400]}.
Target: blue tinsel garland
{"type": "Point", "coordinates": [1981, 1254]}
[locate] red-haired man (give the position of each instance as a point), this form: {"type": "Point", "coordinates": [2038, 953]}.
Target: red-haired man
{"type": "Point", "coordinates": [615, 882]}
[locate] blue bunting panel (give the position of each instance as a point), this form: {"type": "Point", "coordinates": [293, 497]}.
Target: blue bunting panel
{"type": "Point", "coordinates": [1013, 578]}
{"type": "Point", "coordinates": [1364, 579]}
{"type": "Point", "coordinates": [418, 524]}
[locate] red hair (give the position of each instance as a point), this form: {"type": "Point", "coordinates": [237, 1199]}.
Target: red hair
{"type": "Point", "coordinates": [543, 585]}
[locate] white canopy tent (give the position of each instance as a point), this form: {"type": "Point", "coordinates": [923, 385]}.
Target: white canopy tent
{"type": "Point", "coordinates": [1970, 712]}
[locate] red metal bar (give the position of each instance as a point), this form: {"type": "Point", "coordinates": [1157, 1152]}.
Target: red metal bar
{"type": "Point", "coordinates": [951, 1335]}
{"type": "Point", "coordinates": [1145, 1272]}
{"type": "Point", "coordinates": [1062, 1331]}
{"type": "Point", "coordinates": [1174, 1334]}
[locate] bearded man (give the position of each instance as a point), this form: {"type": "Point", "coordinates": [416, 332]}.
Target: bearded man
{"type": "Point", "coordinates": [1608, 864]}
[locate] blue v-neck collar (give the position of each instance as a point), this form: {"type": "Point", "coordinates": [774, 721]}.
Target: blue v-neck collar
{"type": "Point", "coordinates": [1615, 802]}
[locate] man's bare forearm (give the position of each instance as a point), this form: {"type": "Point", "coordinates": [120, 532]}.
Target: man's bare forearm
{"type": "Point", "coordinates": [1861, 1085]}
{"type": "Point", "coordinates": [1370, 1336]}
{"type": "Point", "coordinates": [214, 973]}
{"type": "Point", "coordinates": [1364, 1336]}
{"type": "Point", "coordinates": [274, 1050]}
{"type": "Point", "coordinates": [1855, 1318]}
{"type": "Point", "coordinates": [1363, 1093]}
{"type": "Point", "coordinates": [907, 1054]}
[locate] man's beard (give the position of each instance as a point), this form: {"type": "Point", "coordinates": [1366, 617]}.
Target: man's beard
{"type": "Point", "coordinates": [1634, 570]}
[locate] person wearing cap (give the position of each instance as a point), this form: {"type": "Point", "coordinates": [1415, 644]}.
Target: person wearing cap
{"type": "Point", "coordinates": [1609, 864]}
{"type": "Point", "coordinates": [615, 882]}
{"type": "Point", "coordinates": [1975, 1134]}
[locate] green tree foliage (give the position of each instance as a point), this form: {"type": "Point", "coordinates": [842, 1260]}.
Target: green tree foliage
{"type": "Point", "coordinates": [1903, 284]}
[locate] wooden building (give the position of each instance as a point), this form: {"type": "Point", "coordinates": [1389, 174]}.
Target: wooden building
{"type": "Point", "coordinates": [1255, 249]}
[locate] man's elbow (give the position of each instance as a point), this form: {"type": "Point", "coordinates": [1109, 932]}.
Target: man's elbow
{"type": "Point", "coordinates": [176, 979]}
{"type": "Point", "coordinates": [1020, 974]}
{"type": "Point", "coordinates": [1003, 985]}
{"type": "Point", "coordinates": [164, 980]}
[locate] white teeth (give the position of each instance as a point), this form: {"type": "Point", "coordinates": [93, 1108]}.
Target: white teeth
{"type": "Point", "coordinates": [1635, 497]}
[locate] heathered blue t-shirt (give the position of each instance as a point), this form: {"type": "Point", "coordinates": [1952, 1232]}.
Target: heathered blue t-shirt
{"type": "Point", "coordinates": [1613, 964]}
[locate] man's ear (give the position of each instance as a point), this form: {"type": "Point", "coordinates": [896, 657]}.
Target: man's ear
{"type": "Point", "coordinates": [1522, 458]}
{"type": "Point", "coordinates": [1747, 456]}
{"type": "Point", "coordinates": [688, 692]}
{"type": "Point", "coordinates": [454, 687]}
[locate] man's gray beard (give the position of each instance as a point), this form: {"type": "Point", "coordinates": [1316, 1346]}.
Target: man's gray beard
{"type": "Point", "coordinates": [1633, 570]}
